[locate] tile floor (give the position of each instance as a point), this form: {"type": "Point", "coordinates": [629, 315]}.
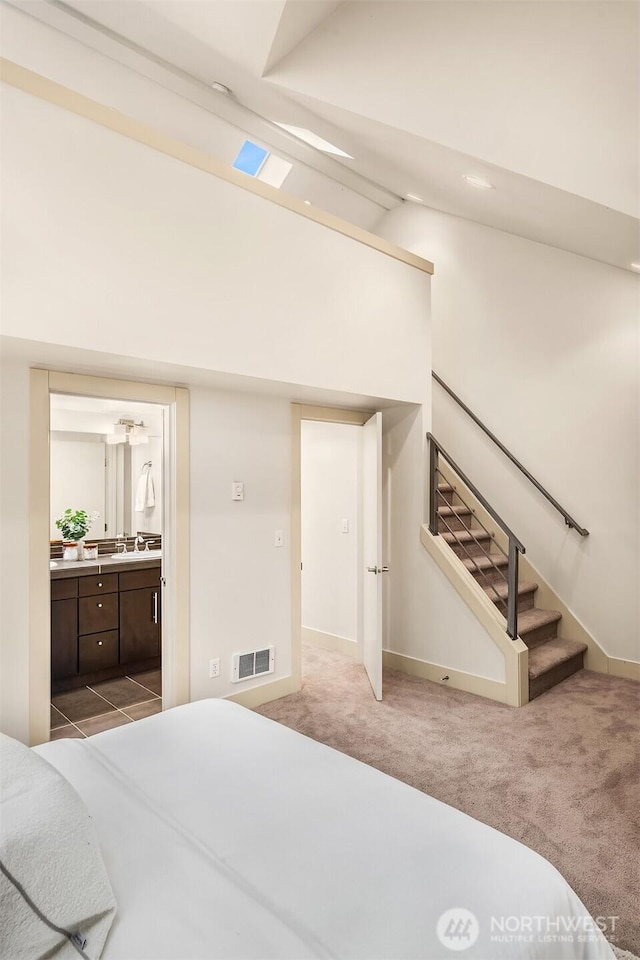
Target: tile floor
{"type": "Point", "coordinates": [88, 710]}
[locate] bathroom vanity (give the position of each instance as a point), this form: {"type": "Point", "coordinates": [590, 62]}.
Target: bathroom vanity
{"type": "Point", "coordinates": [105, 620]}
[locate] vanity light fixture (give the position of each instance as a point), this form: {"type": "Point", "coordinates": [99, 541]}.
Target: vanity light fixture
{"type": "Point", "coordinates": [138, 434]}
{"type": "Point", "coordinates": [128, 430]}
{"type": "Point", "coordinates": [477, 182]}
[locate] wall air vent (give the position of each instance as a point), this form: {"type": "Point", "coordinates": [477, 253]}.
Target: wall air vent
{"type": "Point", "coordinates": [253, 664]}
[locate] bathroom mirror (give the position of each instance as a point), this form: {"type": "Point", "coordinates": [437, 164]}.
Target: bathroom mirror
{"type": "Point", "coordinates": [106, 457]}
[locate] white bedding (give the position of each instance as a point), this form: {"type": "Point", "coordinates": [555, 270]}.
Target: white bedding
{"type": "Point", "coordinates": [227, 835]}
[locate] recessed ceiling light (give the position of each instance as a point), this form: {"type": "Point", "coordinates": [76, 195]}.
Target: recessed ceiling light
{"type": "Point", "coordinates": [635, 266]}
{"type": "Point", "coordinates": [412, 196]}
{"type": "Point", "coordinates": [478, 182]}
{"type": "Point", "coordinates": [221, 88]}
{"type": "Point", "coordinates": [307, 203]}
{"type": "Point", "coordinates": [313, 140]}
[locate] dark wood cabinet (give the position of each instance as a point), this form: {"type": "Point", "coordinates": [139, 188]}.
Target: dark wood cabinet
{"type": "Point", "coordinates": [103, 626]}
{"type": "Point", "coordinates": [139, 624]}
{"type": "Point", "coordinates": [97, 651]}
{"type": "Point", "coordinates": [64, 638]}
{"type": "Point", "coordinates": [96, 614]}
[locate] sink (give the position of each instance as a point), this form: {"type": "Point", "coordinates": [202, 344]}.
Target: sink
{"type": "Point", "coordinates": [141, 555]}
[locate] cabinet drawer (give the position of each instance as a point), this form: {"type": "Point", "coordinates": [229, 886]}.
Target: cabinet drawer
{"type": "Point", "coordinates": [64, 589]}
{"type": "Point", "coordinates": [92, 586]}
{"type": "Point", "coordinates": [98, 651]}
{"type": "Point", "coordinates": [137, 579]}
{"type": "Point", "coordinates": [96, 614]}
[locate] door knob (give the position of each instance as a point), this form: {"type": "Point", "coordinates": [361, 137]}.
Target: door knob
{"type": "Point", "coordinates": [372, 569]}
{"type": "Point", "coordinates": [378, 569]}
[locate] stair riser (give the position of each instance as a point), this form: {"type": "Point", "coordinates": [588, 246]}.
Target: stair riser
{"type": "Point", "coordinates": [525, 602]}
{"type": "Point", "coordinates": [446, 524]}
{"type": "Point", "coordinates": [448, 497]}
{"type": "Point", "coordinates": [471, 549]}
{"type": "Point", "coordinates": [490, 575]}
{"type": "Point", "coordinates": [547, 680]}
{"type": "Point", "coordinates": [541, 634]}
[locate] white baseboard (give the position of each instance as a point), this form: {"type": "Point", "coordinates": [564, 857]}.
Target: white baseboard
{"type": "Point", "coordinates": [458, 679]}
{"type": "Point", "coordinates": [265, 693]}
{"type": "Point", "coordinates": [629, 669]}
{"type": "Point", "coordinates": [329, 641]}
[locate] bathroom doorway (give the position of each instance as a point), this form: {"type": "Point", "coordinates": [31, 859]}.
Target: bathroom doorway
{"type": "Point", "coordinates": [169, 604]}
{"type": "Point", "coordinates": [106, 509]}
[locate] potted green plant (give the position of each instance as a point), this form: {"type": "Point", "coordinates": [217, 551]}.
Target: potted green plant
{"type": "Point", "coordinates": [74, 526]}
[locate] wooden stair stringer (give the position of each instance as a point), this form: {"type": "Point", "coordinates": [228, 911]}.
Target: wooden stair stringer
{"type": "Point", "coordinates": [515, 652]}
{"type": "Point", "coordinates": [569, 627]}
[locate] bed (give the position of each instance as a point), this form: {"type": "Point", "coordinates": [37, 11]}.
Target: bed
{"type": "Point", "coordinates": [227, 835]}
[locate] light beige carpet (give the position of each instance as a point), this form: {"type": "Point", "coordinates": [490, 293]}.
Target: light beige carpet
{"type": "Point", "coordinates": [561, 775]}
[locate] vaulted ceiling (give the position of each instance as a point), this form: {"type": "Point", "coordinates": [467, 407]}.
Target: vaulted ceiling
{"type": "Point", "coordinates": [540, 99]}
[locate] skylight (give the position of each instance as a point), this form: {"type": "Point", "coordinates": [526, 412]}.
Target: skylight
{"type": "Point", "coordinates": [313, 140]}
{"type": "Point", "coordinates": [250, 158]}
{"type": "Point", "coordinates": [257, 162]}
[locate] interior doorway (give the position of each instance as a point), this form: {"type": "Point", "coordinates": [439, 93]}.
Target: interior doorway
{"type": "Point", "coordinates": [339, 551]}
{"type": "Point", "coordinates": [106, 536]}
{"type": "Point", "coordinates": [173, 597]}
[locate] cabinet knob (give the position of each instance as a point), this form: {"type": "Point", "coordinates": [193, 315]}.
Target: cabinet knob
{"type": "Point", "coordinates": [99, 604]}
{"type": "Point", "coordinates": [99, 584]}
{"type": "Point", "coordinates": [100, 643]}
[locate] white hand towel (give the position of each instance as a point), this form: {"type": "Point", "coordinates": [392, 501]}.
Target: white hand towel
{"type": "Point", "coordinates": [145, 492]}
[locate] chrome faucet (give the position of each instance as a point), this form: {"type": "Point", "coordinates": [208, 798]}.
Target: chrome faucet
{"type": "Point", "coordinates": [138, 540]}
{"type": "Point", "coordinates": [123, 545]}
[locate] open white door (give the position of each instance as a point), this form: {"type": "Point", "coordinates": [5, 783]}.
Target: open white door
{"type": "Point", "coordinates": [372, 550]}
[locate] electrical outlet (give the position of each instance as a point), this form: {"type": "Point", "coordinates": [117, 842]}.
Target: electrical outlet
{"type": "Point", "coordinates": [214, 668]}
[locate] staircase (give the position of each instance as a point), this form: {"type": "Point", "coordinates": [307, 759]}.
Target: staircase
{"type": "Point", "coordinates": [551, 658]}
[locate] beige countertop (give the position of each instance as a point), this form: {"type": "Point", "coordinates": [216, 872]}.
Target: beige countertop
{"type": "Point", "coordinates": [81, 568]}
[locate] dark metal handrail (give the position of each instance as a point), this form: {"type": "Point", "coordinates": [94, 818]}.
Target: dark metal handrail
{"type": "Point", "coordinates": [568, 519]}
{"type": "Point", "coordinates": [515, 545]}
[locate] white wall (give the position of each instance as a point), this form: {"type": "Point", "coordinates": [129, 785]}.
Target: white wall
{"type": "Point", "coordinates": [426, 619]}
{"type": "Point", "coordinates": [240, 582]}
{"type": "Point", "coordinates": [331, 456]}
{"type": "Point", "coordinates": [544, 347]}
{"type": "Point", "coordinates": [14, 551]}
{"type": "Point", "coordinates": [67, 61]}
{"type": "Point", "coordinates": [135, 250]}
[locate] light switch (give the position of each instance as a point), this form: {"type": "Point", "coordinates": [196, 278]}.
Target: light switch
{"type": "Point", "coordinates": [278, 539]}
{"type": "Point", "coordinates": [237, 488]}
{"type": "Point", "coordinates": [345, 526]}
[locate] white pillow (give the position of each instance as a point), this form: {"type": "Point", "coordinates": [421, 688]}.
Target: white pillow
{"type": "Point", "coordinates": [55, 895]}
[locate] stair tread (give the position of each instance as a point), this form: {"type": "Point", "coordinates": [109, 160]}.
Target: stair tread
{"type": "Point", "coordinates": [532, 619]}
{"type": "Point", "coordinates": [552, 653]}
{"type": "Point", "coordinates": [482, 563]}
{"type": "Point", "coordinates": [445, 487]}
{"type": "Point", "coordinates": [464, 536]}
{"type": "Point", "coordinates": [502, 589]}
{"type": "Point", "coordinates": [445, 510]}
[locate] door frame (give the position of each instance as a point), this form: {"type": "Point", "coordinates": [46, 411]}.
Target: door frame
{"type": "Point", "coordinates": [300, 412]}
{"type": "Point", "coordinates": [175, 523]}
